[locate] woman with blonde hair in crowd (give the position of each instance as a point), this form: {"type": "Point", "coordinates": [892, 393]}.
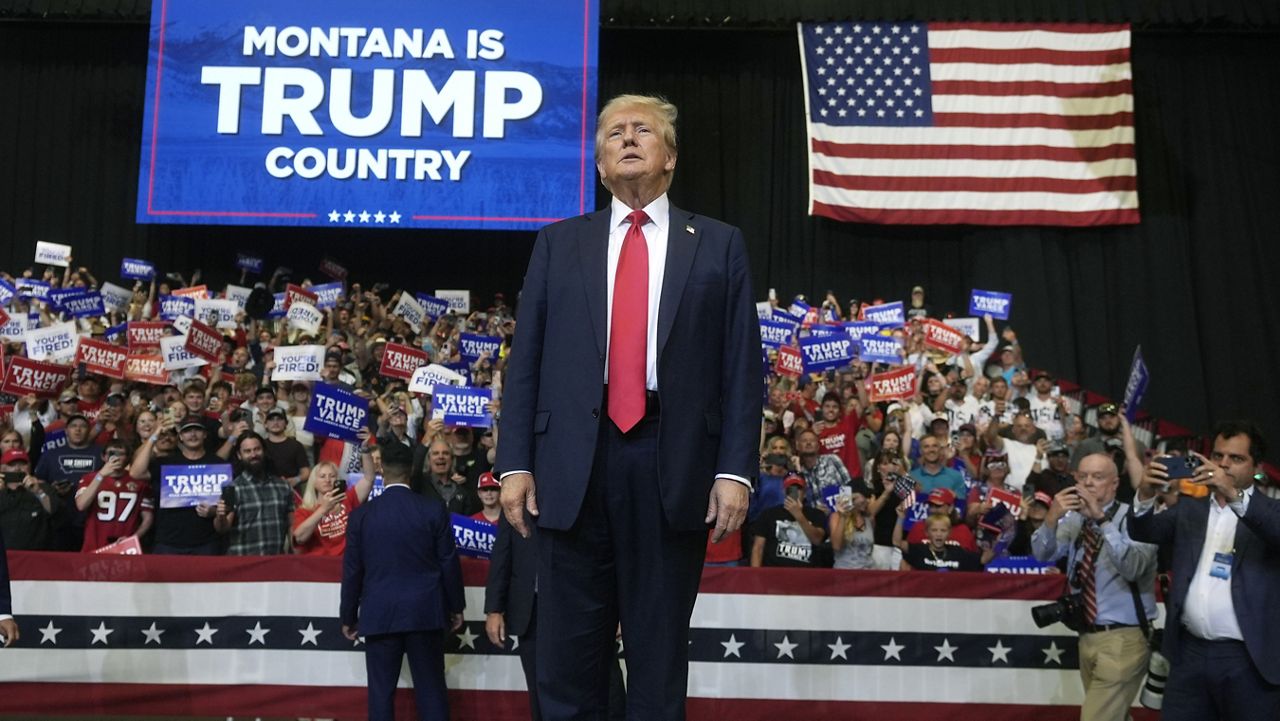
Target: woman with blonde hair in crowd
{"type": "Point", "coordinates": [320, 520]}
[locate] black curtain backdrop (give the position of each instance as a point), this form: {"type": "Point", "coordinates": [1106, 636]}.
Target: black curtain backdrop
{"type": "Point", "coordinates": [1191, 283]}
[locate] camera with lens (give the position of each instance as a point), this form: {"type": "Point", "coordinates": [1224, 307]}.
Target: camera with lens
{"type": "Point", "coordinates": [1069, 610]}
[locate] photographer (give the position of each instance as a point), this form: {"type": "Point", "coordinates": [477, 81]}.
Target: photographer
{"type": "Point", "coordinates": [1110, 576]}
{"type": "Point", "coordinates": [1221, 637]}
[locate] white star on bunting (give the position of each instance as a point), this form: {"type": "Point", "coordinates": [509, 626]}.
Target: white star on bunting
{"type": "Point", "coordinates": [839, 648]}
{"type": "Point", "coordinates": [467, 638]}
{"type": "Point", "coordinates": [257, 634]}
{"type": "Point", "coordinates": [785, 647]}
{"type": "Point", "coordinates": [49, 634]}
{"type": "Point", "coordinates": [205, 635]}
{"type": "Point", "coordinates": [732, 646]}
{"type": "Point", "coordinates": [999, 652]}
{"type": "Point", "coordinates": [309, 635]}
{"type": "Point", "coordinates": [893, 649]}
{"type": "Point", "coordinates": [947, 651]}
{"type": "Point", "coordinates": [100, 633]}
{"type": "Point", "coordinates": [152, 634]}
{"type": "Point", "coordinates": [1053, 653]}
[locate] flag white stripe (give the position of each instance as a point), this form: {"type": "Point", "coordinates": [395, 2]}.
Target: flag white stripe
{"type": "Point", "coordinates": [239, 667]}
{"type": "Point", "coordinates": [1025, 39]}
{"type": "Point", "coordinates": [1051, 137]}
{"type": "Point", "coordinates": [867, 613]}
{"type": "Point", "coordinates": [968, 168]}
{"type": "Point", "coordinates": [213, 600]}
{"type": "Point", "coordinates": [1020, 104]}
{"type": "Point", "coordinates": [1030, 71]}
{"type": "Point", "coordinates": [983, 200]}
{"type": "Point", "coordinates": [801, 682]}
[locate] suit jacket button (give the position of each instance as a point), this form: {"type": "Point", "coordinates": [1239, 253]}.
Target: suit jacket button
{"type": "Point", "coordinates": [595, 412]}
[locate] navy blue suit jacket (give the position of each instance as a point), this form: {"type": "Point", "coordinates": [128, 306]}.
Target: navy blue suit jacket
{"type": "Point", "coordinates": [709, 377]}
{"type": "Point", "coordinates": [1255, 572]}
{"type": "Point", "coordinates": [6, 601]}
{"type": "Point", "coordinates": [400, 570]}
{"type": "Point", "coordinates": [513, 570]}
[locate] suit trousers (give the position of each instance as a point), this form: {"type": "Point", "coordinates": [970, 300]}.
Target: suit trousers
{"type": "Point", "coordinates": [1217, 681]}
{"type": "Point", "coordinates": [528, 654]}
{"type": "Point", "coordinates": [620, 561]}
{"type": "Point", "coordinates": [383, 656]}
{"type": "Point", "coordinates": [1112, 666]}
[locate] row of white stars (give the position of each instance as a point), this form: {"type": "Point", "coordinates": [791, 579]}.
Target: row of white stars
{"type": "Point", "coordinates": [875, 29]}
{"type": "Point", "coordinates": [257, 634]}
{"type": "Point", "coordinates": [875, 49]}
{"type": "Point", "coordinates": [364, 216]}
{"type": "Point", "coordinates": [893, 650]}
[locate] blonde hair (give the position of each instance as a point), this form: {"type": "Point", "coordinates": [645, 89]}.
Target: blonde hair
{"type": "Point", "coordinates": [311, 497]}
{"type": "Point", "coordinates": [664, 112]}
{"type": "Point", "coordinates": [938, 518]}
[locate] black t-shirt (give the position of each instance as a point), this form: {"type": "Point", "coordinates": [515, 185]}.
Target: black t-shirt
{"type": "Point", "coordinates": [285, 458]}
{"type": "Point", "coordinates": [180, 526]}
{"type": "Point", "coordinates": [785, 543]}
{"type": "Point", "coordinates": [952, 558]}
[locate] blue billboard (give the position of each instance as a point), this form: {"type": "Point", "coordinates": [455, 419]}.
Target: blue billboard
{"type": "Point", "coordinates": [381, 113]}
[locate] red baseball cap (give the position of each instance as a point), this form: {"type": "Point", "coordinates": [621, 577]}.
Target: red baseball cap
{"type": "Point", "coordinates": [792, 480]}
{"type": "Point", "coordinates": [942, 497]}
{"type": "Point", "coordinates": [488, 481]}
{"type": "Point", "coordinates": [14, 455]}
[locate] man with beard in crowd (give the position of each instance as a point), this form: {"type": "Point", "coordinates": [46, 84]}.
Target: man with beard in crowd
{"type": "Point", "coordinates": [258, 514]}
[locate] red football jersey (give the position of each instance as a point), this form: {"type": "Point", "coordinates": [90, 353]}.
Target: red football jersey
{"type": "Point", "coordinates": [116, 511]}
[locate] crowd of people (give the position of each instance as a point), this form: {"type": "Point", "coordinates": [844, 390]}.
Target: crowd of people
{"type": "Point", "coordinates": [957, 475]}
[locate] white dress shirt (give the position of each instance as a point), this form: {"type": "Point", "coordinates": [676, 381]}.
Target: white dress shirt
{"type": "Point", "coordinates": [655, 235]}
{"type": "Point", "coordinates": [1209, 611]}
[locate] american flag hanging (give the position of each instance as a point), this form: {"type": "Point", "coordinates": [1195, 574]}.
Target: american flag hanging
{"type": "Point", "coordinates": [970, 123]}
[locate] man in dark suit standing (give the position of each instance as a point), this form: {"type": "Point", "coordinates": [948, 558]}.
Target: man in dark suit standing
{"type": "Point", "coordinates": [8, 627]}
{"type": "Point", "coordinates": [636, 331]}
{"type": "Point", "coordinates": [401, 588]}
{"type": "Point", "coordinates": [1221, 638]}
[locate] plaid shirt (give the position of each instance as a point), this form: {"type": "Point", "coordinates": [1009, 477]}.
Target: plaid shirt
{"type": "Point", "coordinates": [264, 510]}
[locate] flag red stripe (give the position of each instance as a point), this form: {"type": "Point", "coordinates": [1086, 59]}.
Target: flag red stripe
{"type": "Point", "coordinates": [990, 56]}
{"type": "Point", "coordinates": [36, 566]}
{"type": "Point", "coordinates": [1083, 28]}
{"type": "Point", "coordinates": [1033, 87]}
{"type": "Point", "coordinates": [1032, 120]}
{"type": "Point", "coordinates": [350, 703]}
{"type": "Point", "coordinates": [971, 152]}
{"type": "Point", "coordinates": [976, 217]}
{"type": "Point", "coordinates": [973, 184]}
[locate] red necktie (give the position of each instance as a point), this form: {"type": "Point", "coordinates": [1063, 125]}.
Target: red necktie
{"type": "Point", "coordinates": [1086, 572]}
{"type": "Point", "coordinates": [630, 327]}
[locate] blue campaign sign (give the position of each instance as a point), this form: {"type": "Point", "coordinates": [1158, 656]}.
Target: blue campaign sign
{"type": "Point", "coordinates": [1017, 564]}
{"type": "Point", "coordinates": [433, 306]}
{"type": "Point", "coordinates": [54, 440]}
{"type": "Point", "coordinates": [277, 308]}
{"type": "Point", "coordinates": [995, 303]}
{"type": "Point", "coordinates": [172, 306]}
{"type": "Point", "coordinates": [470, 345]}
{"type": "Point", "coordinates": [190, 485]}
{"type": "Point", "coordinates": [462, 406]}
{"type": "Point", "coordinates": [37, 289]}
{"type": "Point", "coordinates": [84, 304]}
{"type": "Point", "coordinates": [887, 315]}
{"type": "Point", "coordinates": [824, 331]}
{"type": "Point", "coordinates": [473, 537]}
{"type": "Point", "coordinates": [880, 349]}
{"type": "Point", "coordinates": [379, 114]}
{"type": "Point", "coordinates": [782, 316]}
{"type": "Point", "coordinates": [328, 294]}
{"type": "Point", "coordinates": [799, 308]}
{"type": "Point", "coordinates": [823, 352]}
{"type": "Point", "coordinates": [136, 269]}
{"type": "Point", "coordinates": [248, 263]}
{"type": "Point", "coordinates": [7, 292]}
{"type": "Point", "coordinates": [1135, 389]}
{"type": "Point", "coordinates": [774, 334]}
{"type": "Point", "coordinates": [336, 413]}
{"type": "Point", "coordinates": [857, 329]}
{"type": "Point", "coordinates": [116, 331]}
{"type": "Point", "coordinates": [56, 297]}
{"type": "Point", "coordinates": [463, 369]}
